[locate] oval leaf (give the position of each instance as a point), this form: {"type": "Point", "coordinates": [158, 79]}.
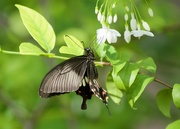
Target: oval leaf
{"type": "Point", "coordinates": [30, 49]}
{"type": "Point", "coordinates": [148, 64]}
{"type": "Point", "coordinates": [38, 27]}
{"type": "Point", "coordinates": [74, 46]}
{"type": "Point", "coordinates": [135, 91]}
{"type": "Point", "coordinates": [176, 95]}
{"type": "Point", "coordinates": [116, 77]}
{"type": "Point", "coordinates": [174, 125]}
{"type": "Point", "coordinates": [113, 91]}
{"type": "Point", "coordinates": [111, 54]}
{"type": "Point", "coordinates": [129, 73]}
{"type": "Point", "coordinates": [163, 100]}
{"type": "Point", "coordinates": [100, 50]}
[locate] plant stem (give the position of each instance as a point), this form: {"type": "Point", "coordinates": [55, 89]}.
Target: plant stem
{"type": "Point", "coordinates": [103, 63]}
{"type": "Point", "coordinates": [156, 80]}
{"type": "Point", "coordinates": [49, 55]}
{"type": "Point", "coordinates": [163, 83]}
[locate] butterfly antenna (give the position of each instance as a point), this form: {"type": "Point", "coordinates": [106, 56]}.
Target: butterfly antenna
{"type": "Point", "coordinates": [75, 42]}
{"type": "Point", "coordinates": [99, 40]}
{"type": "Point", "coordinates": [92, 42]}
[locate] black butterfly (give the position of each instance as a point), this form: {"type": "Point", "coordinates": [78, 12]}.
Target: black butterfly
{"type": "Point", "coordinates": [77, 74]}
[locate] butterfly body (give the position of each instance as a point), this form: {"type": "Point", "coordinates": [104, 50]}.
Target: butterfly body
{"type": "Point", "coordinates": [77, 74]}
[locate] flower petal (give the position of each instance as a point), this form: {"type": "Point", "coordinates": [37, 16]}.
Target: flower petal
{"type": "Point", "coordinates": [101, 35]}
{"type": "Point", "coordinates": [139, 33]}
{"type": "Point", "coordinates": [108, 34]}
{"type": "Point", "coordinates": [133, 22]}
{"type": "Point", "coordinates": [127, 36]}
{"type": "Point", "coordinates": [115, 18]}
{"type": "Point", "coordinates": [110, 19]}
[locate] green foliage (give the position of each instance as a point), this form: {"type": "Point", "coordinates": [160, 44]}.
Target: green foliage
{"type": "Point", "coordinates": [148, 64]}
{"type": "Point", "coordinates": [174, 125]}
{"type": "Point", "coordinates": [137, 88]}
{"type": "Point", "coordinates": [74, 46]}
{"type": "Point", "coordinates": [176, 95]}
{"type": "Point", "coordinates": [125, 75]}
{"type": "Point", "coordinates": [38, 27]}
{"type": "Point", "coordinates": [116, 77]}
{"type": "Point", "coordinates": [30, 49]}
{"type": "Point", "coordinates": [126, 78]}
{"type": "Point", "coordinates": [115, 94]}
{"type": "Point", "coordinates": [164, 98]}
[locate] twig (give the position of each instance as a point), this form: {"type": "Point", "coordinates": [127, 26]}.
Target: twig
{"type": "Point", "coordinates": [104, 63]}
{"type": "Point", "coordinates": [163, 83]}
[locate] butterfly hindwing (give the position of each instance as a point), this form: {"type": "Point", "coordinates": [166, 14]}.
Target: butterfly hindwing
{"type": "Point", "coordinates": [65, 77]}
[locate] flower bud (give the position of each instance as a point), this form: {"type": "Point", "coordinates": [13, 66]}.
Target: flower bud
{"type": "Point", "coordinates": [150, 11]}
{"type": "Point", "coordinates": [115, 18]}
{"type": "Point", "coordinates": [145, 25]}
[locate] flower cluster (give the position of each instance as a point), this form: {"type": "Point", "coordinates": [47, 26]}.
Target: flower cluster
{"type": "Point", "coordinates": [107, 14]}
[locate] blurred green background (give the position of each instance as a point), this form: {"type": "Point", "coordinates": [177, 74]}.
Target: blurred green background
{"type": "Point", "coordinates": [20, 76]}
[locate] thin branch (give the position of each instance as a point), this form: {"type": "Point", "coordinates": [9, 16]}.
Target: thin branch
{"type": "Point", "coordinates": [163, 83]}
{"type": "Point", "coordinates": [103, 63]}
{"type": "Point", "coordinates": [49, 55]}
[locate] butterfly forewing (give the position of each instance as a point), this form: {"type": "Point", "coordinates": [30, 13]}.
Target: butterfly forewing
{"type": "Point", "coordinates": [76, 74]}
{"type": "Point", "coordinates": [65, 77]}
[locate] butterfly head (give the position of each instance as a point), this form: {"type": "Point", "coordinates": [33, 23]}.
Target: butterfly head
{"type": "Point", "coordinates": [89, 52]}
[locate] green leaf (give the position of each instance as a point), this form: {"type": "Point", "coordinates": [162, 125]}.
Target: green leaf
{"type": "Point", "coordinates": [112, 90]}
{"type": "Point", "coordinates": [124, 74]}
{"type": "Point", "coordinates": [176, 95]}
{"type": "Point", "coordinates": [163, 100]}
{"type": "Point", "coordinates": [148, 64]}
{"type": "Point", "coordinates": [116, 77]}
{"type": "Point", "coordinates": [29, 49]}
{"type": "Point", "coordinates": [38, 27]}
{"type": "Point", "coordinates": [74, 46]}
{"type": "Point", "coordinates": [129, 73]}
{"type": "Point", "coordinates": [111, 54]}
{"type": "Point", "coordinates": [134, 92]}
{"type": "Point", "coordinates": [100, 50]}
{"type": "Point", "coordinates": [174, 125]}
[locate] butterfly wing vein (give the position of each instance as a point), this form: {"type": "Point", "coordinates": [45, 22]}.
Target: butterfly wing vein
{"type": "Point", "coordinates": [65, 77]}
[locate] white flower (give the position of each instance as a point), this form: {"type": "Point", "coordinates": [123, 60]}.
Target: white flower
{"type": "Point", "coordinates": [138, 33]}
{"type": "Point", "coordinates": [145, 25]}
{"type": "Point", "coordinates": [105, 33]}
{"type": "Point", "coordinates": [127, 34]}
{"type": "Point", "coordinates": [133, 22]}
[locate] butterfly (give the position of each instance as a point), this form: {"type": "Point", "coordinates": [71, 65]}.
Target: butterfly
{"type": "Point", "coordinates": [77, 74]}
